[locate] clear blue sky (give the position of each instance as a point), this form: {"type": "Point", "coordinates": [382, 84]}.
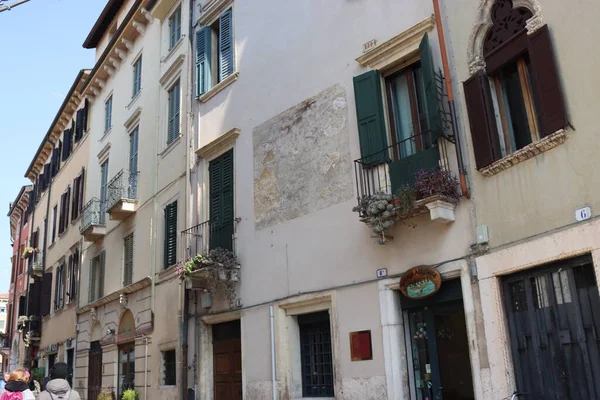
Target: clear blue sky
{"type": "Point", "coordinates": [40, 56]}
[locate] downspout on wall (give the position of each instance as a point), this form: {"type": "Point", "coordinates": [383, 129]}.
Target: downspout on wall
{"type": "Point", "coordinates": [459, 156]}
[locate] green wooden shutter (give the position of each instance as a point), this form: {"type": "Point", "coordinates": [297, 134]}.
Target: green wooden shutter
{"type": "Point", "coordinates": [369, 113]}
{"type": "Point", "coordinates": [203, 56]}
{"type": "Point", "coordinates": [128, 261]}
{"type": "Point", "coordinates": [174, 112]}
{"type": "Point", "coordinates": [225, 45]}
{"type": "Point", "coordinates": [430, 95]}
{"type": "Point", "coordinates": [170, 247]}
{"type": "Point", "coordinates": [92, 286]}
{"type": "Point", "coordinates": [102, 262]}
{"type": "Point", "coordinates": [222, 201]}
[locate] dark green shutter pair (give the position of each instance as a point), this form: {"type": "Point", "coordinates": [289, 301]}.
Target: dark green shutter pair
{"type": "Point", "coordinates": [128, 261]}
{"type": "Point", "coordinates": [369, 108]}
{"type": "Point", "coordinates": [170, 246]}
{"type": "Point", "coordinates": [97, 265]}
{"type": "Point", "coordinates": [204, 55]}
{"type": "Point", "coordinates": [221, 201]}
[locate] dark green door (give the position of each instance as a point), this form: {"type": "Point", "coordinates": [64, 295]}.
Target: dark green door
{"type": "Point", "coordinates": [221, 201]}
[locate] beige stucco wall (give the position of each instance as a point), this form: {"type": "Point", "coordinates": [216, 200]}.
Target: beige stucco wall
{"type": "Point", "coordinates": [542, 193]}
{"type": "Point", "coordinates": [322, 248]}
{"type": "Point", "coordinates": [161, 180]}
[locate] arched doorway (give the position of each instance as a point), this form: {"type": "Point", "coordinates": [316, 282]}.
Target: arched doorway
{"type": "Point", "coordinates": [126, 341]}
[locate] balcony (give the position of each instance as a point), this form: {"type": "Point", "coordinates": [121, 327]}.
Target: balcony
{"type": "Point", "coordinates": [37, 266]}
{"type": "Point", "coordinates": [122, 195]}
{"type": "Point", "coordinates": [413, 175]}
{"type": "Point", "coordinates": [203, 238]}
{"type": "Point", "coordinates": [93, 220]}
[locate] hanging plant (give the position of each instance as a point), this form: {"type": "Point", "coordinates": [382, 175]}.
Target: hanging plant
{"type": "Point", "coordinates": [27, 252]}
{"type": "Point", "coordinates": [222, 269]}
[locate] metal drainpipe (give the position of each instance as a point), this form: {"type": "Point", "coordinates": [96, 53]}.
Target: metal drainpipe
{"type": "Point", "coordinates": [273, 364]}
{"type": "Point", "coordinates": [459, 156]}
{"type": "Point", "coordinates": [184, 343]}
{"type": "Point", "coordinates": [146, 368]}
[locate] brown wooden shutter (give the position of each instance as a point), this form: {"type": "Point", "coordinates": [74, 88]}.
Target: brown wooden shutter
{"type": "Point", "coordinates": [548, 94]}
{"type": "Point", "coordinates": [46, 293]}
{"type": "Point", "coordinates": [482, 120]}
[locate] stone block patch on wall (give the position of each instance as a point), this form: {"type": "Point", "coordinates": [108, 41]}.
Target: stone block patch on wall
{"type": "Point", "coordinates": [302, 160]}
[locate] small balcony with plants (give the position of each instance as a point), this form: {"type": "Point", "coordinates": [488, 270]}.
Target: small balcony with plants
{"type": "Point", "coordinates": [122, 197]}
{"type": "Point", "coordinates": [36, 262]}
{"type": "Point", "coordinates": [93, 220]}
{"type": "Point", "coordinates": [409, 178]}
{"type": "Point", "coordinates": [211, 264]}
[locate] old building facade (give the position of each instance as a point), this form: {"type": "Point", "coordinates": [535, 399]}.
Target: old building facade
{"type": "Point", "coordinates": [269, 200]}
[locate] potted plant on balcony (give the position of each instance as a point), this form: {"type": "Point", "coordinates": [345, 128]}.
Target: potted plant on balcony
{"type": "Point", "coordinates": [222, 268]}
{"type": "Point", "coordinates": [130, 394]}
{"type": "Point", "coordinates": [27, 252]}
{"type": "Point", "coordinates": [379, 212]}
{"type": "Point", "coordinates": [437, 190]}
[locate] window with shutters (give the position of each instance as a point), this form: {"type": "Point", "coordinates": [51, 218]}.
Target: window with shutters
{"type": "Point", "coordinates": [175, 28]}
{"type": "Point", "coordinates": [73, 280]}
{"type": "Point", "coordinates": [53, 224]}
{"type": "Point", "coordinates": [103, 191]}
{"type": "Point", "coordinates": [65, 201]}
{"type": "Point", "coordinates": [170, 235]}
{"type": "Point", "coordinates": [59, 287]}
{"type": "Point", "coordinates": [77, 196]}
{"type": "Point", "coordinates": [174, 111]}
{"type": "Point", "coordinates": [108, 114]}
{"type": "Point", "coordinates": [516, 100]}
{"type": "Point", "coordinates": [128, 260]}
{"type": "Point", "coordinates": [137, 76]}
{"type": "Point", "coordinates": [406, 137]}
{"type": "Point", "coordinates": [215, 53]}
{"type": "Point", "coordinates": [221, 192]}
{"type": "Point", "coordinates": [133, 163]}
{"type": "Point", "coordinates": [96, 288]}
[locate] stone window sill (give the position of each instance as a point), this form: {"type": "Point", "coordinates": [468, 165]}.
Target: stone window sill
{"type": "Point", "coordinates": [134, 99]}
{"type": "Point", "coordinates": [527, 152]}
{"type": "Point", "coordinates": [173, 49]}
{"type": "Point", "coordinates": [171, 146]}
{"type": "Point", "coordinates": [218, 87]}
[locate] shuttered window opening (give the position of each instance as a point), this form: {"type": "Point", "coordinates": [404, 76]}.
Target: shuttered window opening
{"type": "Point", "coordinates": [108, 114]}
{"type": "Point", "coordinates": [103, 191]}
{"type": "Point", "coordinates": [221, 182]}
{"type": "Point", "coordinates": [137, 76]}
{"type": "Point", "coordinates": [69, 276]}
{"type": "Point", "coordinates": [77, 196]}
{"type": "Point", "coordinates": [518, 100]}
{"type": "Point", "coordinates": [170, 235]}
{"type": "Point", "coordinates": [81, 125]}
{"type": "Point", "coordinates": [214, 65]}
{"type": "Point", "coordinates": [73, 284]}
{"type": "Point", "coordinates": [174, 112]}
{"type": "Point", "coordinates": [133, 163]}
{"type": "Point", "coordinates": [59, 287]}
{"type": "Point", "coordinates": [128, 261]}
{"type": "Point", "coordinates": [46, 294]}
{"type": "Point", "coordinates": [174, 28]}
{"type": "Point", "coordinates": [53, 224]}
{"type": "Point", "coordinates": [65, 200]}
{"type": "Point", "coordinates": [96, 288]}
{"type": "Point", "coordinates": [67, 144]}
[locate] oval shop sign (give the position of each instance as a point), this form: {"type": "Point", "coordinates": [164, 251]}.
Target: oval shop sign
{"type": "Point", "coordinates": [420, 282]}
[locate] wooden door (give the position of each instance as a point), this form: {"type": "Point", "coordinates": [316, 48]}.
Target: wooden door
{"type": "Point", "coordinates": [94, 371]}
{"type": "Point", "coordinates": [554, 322]}
{"type": "Point", "coordinates": [227, 361]}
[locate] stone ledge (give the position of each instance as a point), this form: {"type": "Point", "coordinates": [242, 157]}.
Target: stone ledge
{"type": "Point", "coordinates": [218, 87]}
{"type": "Point", "coordinates": [527, 152]}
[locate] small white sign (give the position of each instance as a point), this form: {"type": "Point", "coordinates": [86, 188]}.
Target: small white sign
{"type": "Point", "coordinates": [381, 273]}
{"type": "Point", "coordinates": [583, 213]}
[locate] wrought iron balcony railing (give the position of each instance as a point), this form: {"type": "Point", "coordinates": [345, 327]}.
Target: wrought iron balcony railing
{"type": "Point", "coordinates": [122, 186]}
{"type": "Point", "coordinates": [202, 238]}
{"type": "Point", "coordinates": [93, 213]}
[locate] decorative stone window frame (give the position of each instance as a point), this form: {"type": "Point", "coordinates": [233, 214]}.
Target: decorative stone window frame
{"type": "Point", "coordinates": [287, 341]}
{"type": "Point", "coordinates": [399, 51]}
{"type": "Point", "coordinates": [483, 23]}
{"type": "Point", "coordinates": [162, 348]}
{"type": "Point", "coordinates": [210, 10]}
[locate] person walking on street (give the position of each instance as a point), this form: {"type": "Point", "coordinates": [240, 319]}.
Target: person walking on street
{"type": "Point", "coordinates": [58, 387]}
{"type": "Point", "coordinates": [17, 386]}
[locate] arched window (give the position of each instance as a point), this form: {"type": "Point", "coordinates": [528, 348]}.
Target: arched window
{"type": "Point", "coordinates": [126, 353]}
{"type": "Point", "coordinates": [514, 98]}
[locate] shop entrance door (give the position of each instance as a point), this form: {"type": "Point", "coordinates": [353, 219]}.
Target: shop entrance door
{"type": "Point", "coordinates": [438, 347]}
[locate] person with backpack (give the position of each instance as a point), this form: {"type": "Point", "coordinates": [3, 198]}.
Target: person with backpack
{"type": "Point", "coordinates": [58, 387]}
{"type": "Point", "coordinates": [17, 386]}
